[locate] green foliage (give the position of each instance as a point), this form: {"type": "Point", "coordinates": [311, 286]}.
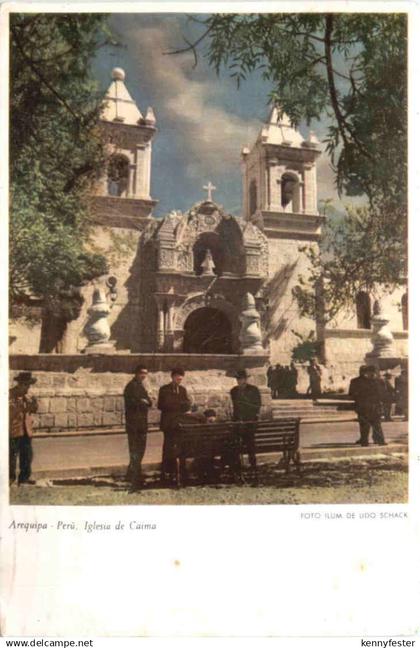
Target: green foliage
{"type": "Point", "coordinates": [307, 348]}
{"type": "Point", "coordinates": [55, 152]}
{"type": "Point", "coordinates": [352, 70]}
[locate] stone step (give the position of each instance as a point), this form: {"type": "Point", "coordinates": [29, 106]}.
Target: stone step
{"type": "Point", "coordinates": [315, 410]}
{"type": "Point", "coordinates": [317, 416]}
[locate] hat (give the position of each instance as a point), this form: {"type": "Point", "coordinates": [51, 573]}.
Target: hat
{"type": "Point", "coordinates": [242, 373]}
{"type": "Point", "coordinates": [370, 369]}
{"type": "Point", "coordinates": [25, 377]}
{"type": "Point", "coordinates": [209, 412]}
{"type": "Point", "coordinates": [177, 371]}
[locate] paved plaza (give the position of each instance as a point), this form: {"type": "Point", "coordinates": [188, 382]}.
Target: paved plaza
{"type": "Point", "coordinates": [57, 457]}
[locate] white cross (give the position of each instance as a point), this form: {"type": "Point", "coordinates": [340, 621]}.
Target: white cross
{"type": "Point", "coordinates": [209, 188]}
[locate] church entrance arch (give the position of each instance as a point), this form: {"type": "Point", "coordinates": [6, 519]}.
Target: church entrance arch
{"type": "Point", "coordinates": [207, 330]}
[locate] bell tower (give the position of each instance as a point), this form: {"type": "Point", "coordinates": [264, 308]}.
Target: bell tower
{"type": "Point", "coordinates": [279, 181]}
{"type": "Point", "coordinates": [123, 192]}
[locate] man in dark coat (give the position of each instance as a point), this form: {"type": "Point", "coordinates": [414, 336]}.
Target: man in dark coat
{"type": "Point", "coordinates": [246, 401]}
{"type": "Point", "coordinates": [21, 408]}
{"type": "Point", "coordinates": [137, 402]}
{"type": "Point", "coordinates": [173, 400]}
{"type": "Point", "coordinates": [401, 389]}
{"type": "Point", "coordinates": [367, 394]}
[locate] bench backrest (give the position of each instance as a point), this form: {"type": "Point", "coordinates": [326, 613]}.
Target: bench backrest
{"type": "Point", "coordinates": [204, 439]}
{"type": "Point", "coordinates": [211, 438]}
{"type": "Point", "coordinates": [276, 435]}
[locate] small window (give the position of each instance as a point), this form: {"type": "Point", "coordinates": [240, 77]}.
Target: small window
{"type": "Point", "coordinates": [252, 197]}
{"type": "Point", "coordinates": [363, 310]}
{"type": "Point", "coordinates": [289, 188]}
{"type": "Point", "coordinates": [117, 175]}
{"type": "Point", "coordinates": [404, 309]}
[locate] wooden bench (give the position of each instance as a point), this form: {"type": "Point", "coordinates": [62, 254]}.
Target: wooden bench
{"type": "Point", "coordinates": [203, 441]}
{"type": "Point", "coordinates": [237, 438]}
{"type": "Point", "coordinates": [278, 435]}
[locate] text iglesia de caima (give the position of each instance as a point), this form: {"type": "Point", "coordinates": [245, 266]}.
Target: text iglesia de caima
{"type": "Point", "coordinates": [212, 287]}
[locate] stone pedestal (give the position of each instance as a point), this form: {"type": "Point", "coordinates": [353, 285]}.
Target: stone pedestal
{"type": "Point", "coordinates": [382, 338]}
{"type": "Point", "coordinates": [106, 347]}
{"type": "Point", "coordinates": [250, 335]}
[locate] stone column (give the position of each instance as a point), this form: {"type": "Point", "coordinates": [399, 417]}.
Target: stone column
{"type": "Point", "coordinates": [139, 190]}
{"type": "Point", "coordinates": [131, 184]}
{"type": "Point", "coordinates": [309, 175]}
{"type": "Point", "coordinates": [148, 169]}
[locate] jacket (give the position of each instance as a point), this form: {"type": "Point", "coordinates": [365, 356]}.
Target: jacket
{"type": "Point", "coordinates": [246, 402]}
{"type": "Point", "coordinates": [367, 393]}
{"type": "Point", "coordinates": [134, 396]}
{"type": "Point", "coordinates": [21, 409]}
{"type": "Point", "coordinates": [173, 400]}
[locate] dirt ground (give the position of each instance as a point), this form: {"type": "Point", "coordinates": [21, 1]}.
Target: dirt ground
{"type": "Point", "coordinates": [356, 480]}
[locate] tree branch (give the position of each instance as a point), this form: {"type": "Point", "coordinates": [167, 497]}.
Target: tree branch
{"type": "Point", "coordinates": [42, 78]}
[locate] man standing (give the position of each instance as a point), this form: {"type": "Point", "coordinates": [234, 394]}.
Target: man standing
{"type": "Point", "coordinates": [388, 395]}
{"type": "Point", "coordinates": [315, 374]}
{"type": "Point", "coordinates": [401, 388]}
{"type": "Point", "coordinates": [21, 408]}
{"type": "Point", "coordinates": [246, 401]}
{"type": "Point", "coordinates": [137, 402]}
{"type": "Point", "coordinates": [173, 400]}
{"type": "Point", "coordinates": [366, 392]}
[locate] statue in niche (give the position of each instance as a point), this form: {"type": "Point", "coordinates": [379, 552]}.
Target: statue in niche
{"type": "Point", "coordinates": [250, 336]}
{"type": "Point", "coordinates": [208, 265]}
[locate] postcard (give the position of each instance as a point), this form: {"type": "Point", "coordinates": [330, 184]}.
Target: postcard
{"type": "Point", "coordinates": [206, 386]}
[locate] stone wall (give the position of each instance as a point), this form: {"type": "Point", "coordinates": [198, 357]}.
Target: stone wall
{"type": "Point", "coordinates": [286, 264]}
{"type": "Point", "coordinates": [391, 305]}
{"type": "Point", "coordinates": [85, 392]}
{"type": "Point", "coordinates": [345, 351]}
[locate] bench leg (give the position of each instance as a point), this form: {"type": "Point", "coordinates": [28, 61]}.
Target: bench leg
{"type": "Point", "coordinates": [178, 472]}
{"type": "Point", "coordinates": [288, 457]}
{"type": "Point", "coordinates": [296, 461]}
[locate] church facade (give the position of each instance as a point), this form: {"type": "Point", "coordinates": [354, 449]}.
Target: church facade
{"type": "Point", "coordinates": [205, 282]}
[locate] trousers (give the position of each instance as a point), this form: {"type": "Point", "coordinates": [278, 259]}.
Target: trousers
{"type": "Point", "coordinates": [137, 436]}
{"type": "Point", "coordinates": [20, 447]}
{"type": "Point", "coordinates": [370, 418]}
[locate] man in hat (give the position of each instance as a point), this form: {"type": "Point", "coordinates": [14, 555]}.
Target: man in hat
{"type": "Point", "coordinates": [315, 375]}
{"type": "Point", "coordinates": [173, 401]}
{"type": "Point", "coordinates": [246, 401]}
{"type": "Point", "coordinates": [367, 394]}
{"type": "Point", "coordinates": [21, 408]}
{"type": "Point", "coordinates": [137, 403]}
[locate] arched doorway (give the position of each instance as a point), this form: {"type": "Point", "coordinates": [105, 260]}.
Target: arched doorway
{"type": "Point", "coordinates": [207, 330]}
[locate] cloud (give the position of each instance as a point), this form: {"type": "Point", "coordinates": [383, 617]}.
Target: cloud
{"type": "Point", "coordinates": [326, 179]}
{"type": "Point", "coordinates": [211, 135]}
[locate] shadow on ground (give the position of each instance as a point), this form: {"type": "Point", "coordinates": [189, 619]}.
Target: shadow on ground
{"type": "Point", "coordinates": [361, 480]}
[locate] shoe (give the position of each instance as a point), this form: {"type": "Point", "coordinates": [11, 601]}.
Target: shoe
{"type": "Point", "coordinates": [381, 443]}
{"type": "Point", "coordinates": [134, 489]}
{"type": "Point", "coordinates": [364, 445]}
{"type": "Point", "coordinates": [358, 442]}
{"type": "Point", "coordinates": [29, 482]}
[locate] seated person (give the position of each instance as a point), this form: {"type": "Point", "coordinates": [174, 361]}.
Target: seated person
{"type": "Point", "coordinates": [203, 465]}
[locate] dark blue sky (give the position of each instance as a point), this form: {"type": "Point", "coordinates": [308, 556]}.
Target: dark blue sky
{"type": "Point", "coordinates": [203, 120]}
